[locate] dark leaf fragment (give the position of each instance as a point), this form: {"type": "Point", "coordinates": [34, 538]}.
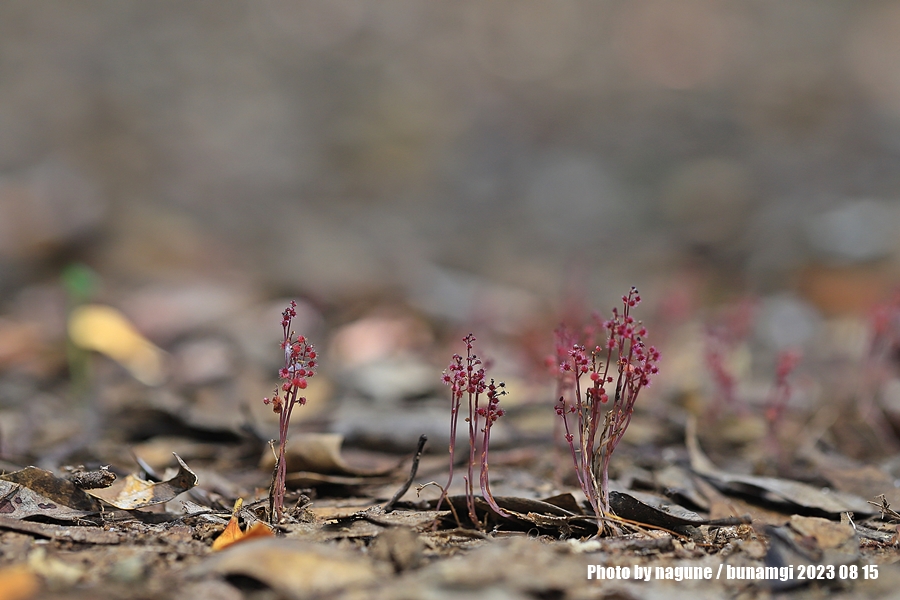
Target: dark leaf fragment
{"type": "Point", "coordinates": [47, 487]}
{"type": "Point", "coordinates": [649, 509]}
{"type": "Point", "coordinates": [20, 502]}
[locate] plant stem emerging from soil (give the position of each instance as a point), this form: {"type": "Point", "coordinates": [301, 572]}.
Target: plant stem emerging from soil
{"type": "Point", "coordinates": [466, 376]}
{"type": "Point", "coordinates": [299, 365]}
{"type": "Point", "coordinates": [628, 365]}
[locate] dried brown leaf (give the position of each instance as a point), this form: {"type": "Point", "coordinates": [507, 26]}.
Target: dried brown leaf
{"type": "Point", "coordinates": [48, 486]}
{"type": "Point", "coordinates": [320, 453]}
{"type": "Point", "coordinates": [131, 492]}
{"type": "Point", "coordinates": [293, 568]}
{"type": "Point", "coordinates": [19, 502]}
{"type": "Point", "coordinates": [773, 489]}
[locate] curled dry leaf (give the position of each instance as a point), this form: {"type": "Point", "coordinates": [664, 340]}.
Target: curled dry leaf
{"type": "Point", "coordinates": [130, 493]}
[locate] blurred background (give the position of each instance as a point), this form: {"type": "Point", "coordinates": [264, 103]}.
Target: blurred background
{"type": "Point", "coordinates": [493, 164]}
{"type": "Point", "coordinates": [343, 148]}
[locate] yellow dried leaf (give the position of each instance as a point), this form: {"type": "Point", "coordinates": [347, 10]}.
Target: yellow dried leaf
{"type": "Point", "coordinates": [106, 330]}
{"type": "Point", "coordinates": [131, 492]}
{"type": "Point", "coordinates": [18, 583]}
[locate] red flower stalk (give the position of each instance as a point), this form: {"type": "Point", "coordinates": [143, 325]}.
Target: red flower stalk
{"type": "Point", "coordinates": [781, 391]}
{"type": "Point", "coordinates": [722, 339]}
{"type": "Point", "coordinates": [299, 365]}
{"type": "Point", "coordinates": [723, 378]}
{"type": "Point", "coordinates": [623, 361]}
{"type": "Point", "coordinates": [490, 413]}
{"type": "Point", "coordinates": [466, 376]}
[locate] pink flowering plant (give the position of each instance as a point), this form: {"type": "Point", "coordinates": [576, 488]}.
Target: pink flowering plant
{"type": "Point", "coordinates": [467, 378]}
{"type": "Point", "coordinates": [776, 403]}
{"type": "Point", "coordinates": [299, 365]}
{"type": "Point", "coordinates": [723, 337]}
{"type": "Point", "coordinates": [603, 384]}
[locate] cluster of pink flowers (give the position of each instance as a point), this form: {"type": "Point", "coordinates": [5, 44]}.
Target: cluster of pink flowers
{"type": "Point", "coordinates": [466, 377]}
{"type": "Point", "coordinates": [730, 330]}
{"type": "Point", "coordinates": [299, 366]}
{"type": "Point", "coordinates": [623, 365]}
{"type": "Point", "coordinates": [492, 411]}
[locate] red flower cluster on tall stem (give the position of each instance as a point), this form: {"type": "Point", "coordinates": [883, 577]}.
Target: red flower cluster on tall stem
{"type": "Point", "coordinates": [723, 337]}
{"type": "Point", "coordinates": [299, 365]}
{"type": "Point", "coordinates": [466, 377]}
{"type": "Point", "coordinates": [776, 404]}
{"type": "Point", "coordinates": [623, 366]}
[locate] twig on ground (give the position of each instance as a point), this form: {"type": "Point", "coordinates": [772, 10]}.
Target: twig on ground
{"type": "Point", "coordinates": [412, 475]}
